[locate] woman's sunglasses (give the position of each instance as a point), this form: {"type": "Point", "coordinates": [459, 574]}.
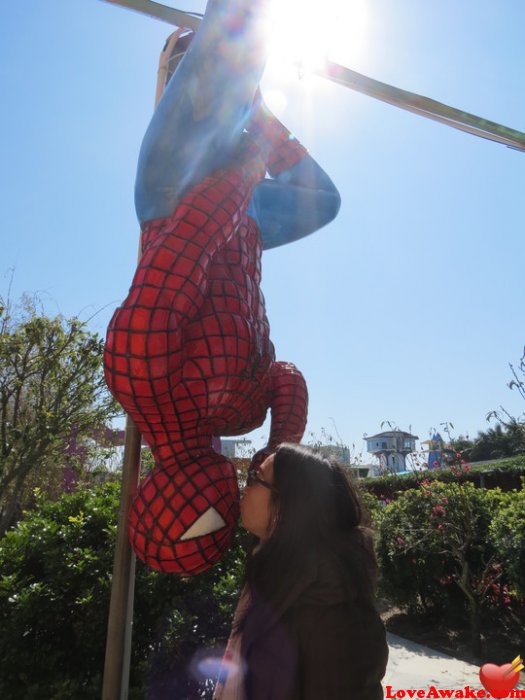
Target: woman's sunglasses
{"type": "Point", "coordinates": [254, 478]}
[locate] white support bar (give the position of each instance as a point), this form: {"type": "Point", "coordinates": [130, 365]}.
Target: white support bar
{"type": "Point", "coordinates": [158, 11]}
{"type": "Point", "coordinates": [424, 106]}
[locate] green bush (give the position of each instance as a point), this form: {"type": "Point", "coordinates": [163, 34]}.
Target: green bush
{"type": "Point", "coordinates": [55, 579]}
{"type": "Point", "coordinates": [372, 505]}
{"type": "Point", "coordinates": [434, 543]}
{"type": "Point", "coordinates": [507, 530]}
{"type": "Point", "coordinates": [408, 552]}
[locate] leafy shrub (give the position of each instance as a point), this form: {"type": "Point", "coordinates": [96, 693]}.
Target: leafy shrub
{"type": "Point", "coordinates": [373, 506]}
{"type": "Point", "coordinates": [408, 551]}
{"type": "Point", "coordinates": [507, 530]}
{"type": "Point", "coordinates": [55, 579]}
{"type": "Point", "coordinates": [434, 537]}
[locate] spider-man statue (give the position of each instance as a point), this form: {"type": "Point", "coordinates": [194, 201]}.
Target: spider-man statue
{"type": "Point", "coordinates": [188, 354]}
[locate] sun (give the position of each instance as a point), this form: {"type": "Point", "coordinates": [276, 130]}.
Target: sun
{"type": "Point", "coordinates": [305, 34]}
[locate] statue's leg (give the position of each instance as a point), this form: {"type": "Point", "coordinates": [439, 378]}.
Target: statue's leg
{"type": "Point", "coordinates": [205, 107]}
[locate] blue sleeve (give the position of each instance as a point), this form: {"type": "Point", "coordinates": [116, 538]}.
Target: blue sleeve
{"type": "Point", "coordinates": [294, 204]}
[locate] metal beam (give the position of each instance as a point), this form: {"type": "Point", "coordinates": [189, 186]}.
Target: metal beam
{"type": "Point", "coordinates": [410, 101]}
{"type": "Point", "coordinates": [424, 106]}
{"type": "Point", "coordinates": [158, 11]}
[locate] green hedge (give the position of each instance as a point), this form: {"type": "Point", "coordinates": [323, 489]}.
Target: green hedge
{"type": "Point", "coordinates": [507, 530]}
{"type": "Point", "coordinates": [55, 579]}
{"type": "Point", "coordinates": [505, 474]}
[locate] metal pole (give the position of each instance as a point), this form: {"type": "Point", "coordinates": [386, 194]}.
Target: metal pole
{"type": "Point", "coordinates": [118, 642]}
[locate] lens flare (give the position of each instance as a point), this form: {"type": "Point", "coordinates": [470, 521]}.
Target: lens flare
{"type": "Point", "coordinates": [306, 34]}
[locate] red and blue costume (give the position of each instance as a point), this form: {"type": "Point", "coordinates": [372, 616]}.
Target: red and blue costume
{"type": "Point", "coordinates": [188, 354]}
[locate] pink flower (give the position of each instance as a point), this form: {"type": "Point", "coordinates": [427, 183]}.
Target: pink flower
{"type": "Point", "coordinates": [438, 510]}
{"type": "Point", "coordinates": [400, 540]}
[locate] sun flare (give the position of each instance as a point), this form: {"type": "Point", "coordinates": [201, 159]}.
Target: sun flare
{"type": "Point", "coordinates": [305, 34]}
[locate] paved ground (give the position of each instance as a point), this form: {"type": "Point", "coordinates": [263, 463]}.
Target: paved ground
{"type": "Point", "coordinates": [412, 665]}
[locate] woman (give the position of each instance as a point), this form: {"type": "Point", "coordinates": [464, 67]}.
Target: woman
{"type": "Point", "coordinates": [307, 627]}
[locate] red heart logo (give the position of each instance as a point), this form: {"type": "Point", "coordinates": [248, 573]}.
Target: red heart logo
{"type": "Point", "coordinates": [496, 682]}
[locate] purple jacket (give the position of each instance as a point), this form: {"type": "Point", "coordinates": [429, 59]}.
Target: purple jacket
{"type": "Point", "coordinates": [324, 643]}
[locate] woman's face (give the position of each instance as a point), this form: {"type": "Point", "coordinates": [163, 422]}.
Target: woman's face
{"type": "Point", "coordinates": [256, 503]}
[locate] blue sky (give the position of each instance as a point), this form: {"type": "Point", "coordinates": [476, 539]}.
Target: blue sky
{"type": "Point", "coordinates": [407, 308]}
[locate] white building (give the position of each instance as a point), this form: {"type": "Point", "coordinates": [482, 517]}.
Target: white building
{"type": "Point", "coordinates": [391, 449]}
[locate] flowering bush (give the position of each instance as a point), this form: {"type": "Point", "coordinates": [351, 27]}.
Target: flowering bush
{"type": "Point", "coordinates": [408, 553]}
{"type": "Point", "coordinates": [435, 551]}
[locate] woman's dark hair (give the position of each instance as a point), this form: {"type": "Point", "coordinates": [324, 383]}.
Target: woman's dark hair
{"type": "Point", "coordinates": [318, 517]}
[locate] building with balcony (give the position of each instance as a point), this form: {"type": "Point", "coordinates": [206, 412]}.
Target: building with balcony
{"type": "Point", "coordinates": [391, 449]}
